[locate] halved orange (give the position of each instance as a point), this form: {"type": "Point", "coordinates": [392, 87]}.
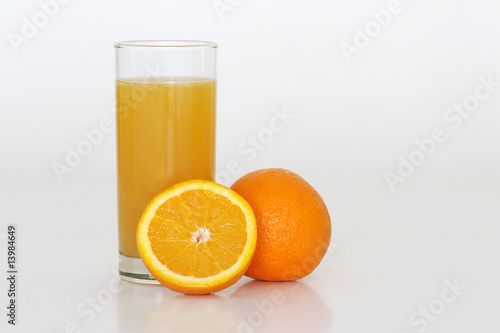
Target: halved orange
{"type": "Point", "coordinates": [197, 237]}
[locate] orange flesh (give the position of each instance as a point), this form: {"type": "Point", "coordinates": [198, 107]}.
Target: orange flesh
{"type": "Point", "coordinates": [198, 233]}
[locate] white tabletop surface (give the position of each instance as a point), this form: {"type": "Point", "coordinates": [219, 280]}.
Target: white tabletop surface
{"type": "Point", "coordinates": [67, 280]}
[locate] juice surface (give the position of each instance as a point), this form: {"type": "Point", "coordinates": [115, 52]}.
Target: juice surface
{"type": "Point", "coordinates": [165, 135]}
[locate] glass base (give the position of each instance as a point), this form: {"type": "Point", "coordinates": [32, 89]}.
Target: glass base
{"type": "Point", "coordinates": [133, 270]}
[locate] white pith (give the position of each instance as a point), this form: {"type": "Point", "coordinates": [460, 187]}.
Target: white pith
{"type": "Point", "coordinates": [201, 235]}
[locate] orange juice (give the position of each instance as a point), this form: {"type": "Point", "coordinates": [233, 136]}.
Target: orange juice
{"type": "Point", "coordinates": [165, 135]}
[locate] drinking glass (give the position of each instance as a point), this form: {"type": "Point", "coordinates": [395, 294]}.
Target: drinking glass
{"type": "Point", "coordinates": [165, 116]}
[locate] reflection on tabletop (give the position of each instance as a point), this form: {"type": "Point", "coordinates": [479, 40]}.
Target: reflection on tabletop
{"type": "Point", "coordinates": [254, 306]}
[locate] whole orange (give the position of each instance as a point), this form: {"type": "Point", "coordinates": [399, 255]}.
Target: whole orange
{"type": "Point", "coordinates": [293, 224]}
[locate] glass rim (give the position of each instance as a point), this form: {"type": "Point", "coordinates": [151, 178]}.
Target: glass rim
{"type": "Point", "coordinates": [164, 43]}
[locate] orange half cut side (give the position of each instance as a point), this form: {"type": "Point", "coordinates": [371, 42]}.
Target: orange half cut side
{"type": "Point", "coordinates": [197, 237]}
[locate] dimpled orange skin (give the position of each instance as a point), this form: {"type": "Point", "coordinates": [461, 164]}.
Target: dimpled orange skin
{"type": "Point", "coordinates": [293, 224]}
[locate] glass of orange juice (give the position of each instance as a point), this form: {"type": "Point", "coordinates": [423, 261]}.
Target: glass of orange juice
{"type": "Point", "coordinates": [165, 115]}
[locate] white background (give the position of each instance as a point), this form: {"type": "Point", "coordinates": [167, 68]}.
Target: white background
{"type": "Point", "coordinates": [393, 250]}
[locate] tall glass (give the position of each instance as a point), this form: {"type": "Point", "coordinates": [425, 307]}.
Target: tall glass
{"type": "Point", "coordinates": [165, 115]}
